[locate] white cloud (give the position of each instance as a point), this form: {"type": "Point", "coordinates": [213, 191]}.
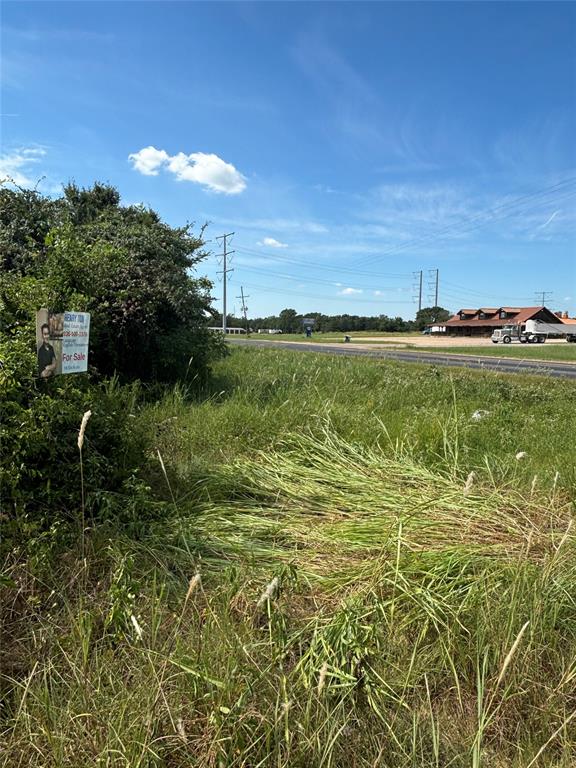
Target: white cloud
{"type": "Point", "coordinates": [15, 166]}
{"type": "Point", "coordinates": [149, 160]}
{"type": "Point", "coordinates": [378, 293]}
{"type": "Point", "coordinates": [35, 152]}
{"type": "Point", "coordinates": [567, 298]}
{"type": "Point", "coordinates": [271, 242]}
{"type": "Point", "coordinates": [349, 291]}
{"type": "Point", "coordinates": [208, 170]}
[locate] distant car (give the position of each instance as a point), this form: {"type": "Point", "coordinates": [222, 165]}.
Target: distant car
{"type": "Point", "coordinates": [427, 331]}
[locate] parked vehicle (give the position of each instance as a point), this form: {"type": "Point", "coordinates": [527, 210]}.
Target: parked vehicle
{"type": "Point", "coordinates": [533, 332]}
{"type": "Point", "coordinates": [434, 329]}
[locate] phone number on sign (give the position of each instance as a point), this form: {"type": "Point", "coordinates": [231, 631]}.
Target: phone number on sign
{"type": "Point", "coordinates": [75, 333]}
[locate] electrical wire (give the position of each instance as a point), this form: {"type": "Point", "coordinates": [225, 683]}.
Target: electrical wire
{"type": "Point", "coordinates": [461, 289]}
{"type": "Point", "coordinates": [306, 278]}
{"type": "Point", "coordinates": [559, 191]}
{"type": "Point", "coordinates": [479, 220]}
{"type": "Point", "coordinates": [268, 289]}
{"type": "Point", "coordinates": [308, 263]}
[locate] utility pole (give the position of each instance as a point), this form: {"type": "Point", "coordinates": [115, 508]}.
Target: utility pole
{"type": "Point", "coordinates": [543, 294]}
{"type": "Point", "coordinates": [224, 273]}
{"type": "Point", "coordinates": [244, 308]}
{"type": "Point", "coordinates": [418, 275]}
{"type": "Point", "coordinates": [434, 283]}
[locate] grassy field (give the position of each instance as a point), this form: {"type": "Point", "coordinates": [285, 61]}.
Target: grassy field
{"type": "Point", "coordinates": [565, 352]}
{"type": "Point", "coordinates": [338, 336]}
{"type": "Point", "coordinates": [562, 352]}
{"type": "Point", "coordinates": [360, 563]}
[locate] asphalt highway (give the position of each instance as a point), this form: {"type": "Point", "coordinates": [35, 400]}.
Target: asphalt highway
{"type": "Point", "coordinates": [502, 364]}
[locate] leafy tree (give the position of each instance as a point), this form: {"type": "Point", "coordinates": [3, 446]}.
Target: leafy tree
{"type": "Point", "coordinates": [430, 315]}
{"type": "Point", "coordinates": [86, 205]}
{"type": "Point", "coordinates": [126, 267]}
{"type": "Point", "coordinates": [26, 217]}
{"type": "Point", "coordinates": [289, 321]}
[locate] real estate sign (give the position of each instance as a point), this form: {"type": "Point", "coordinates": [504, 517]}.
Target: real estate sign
{"type": "Point", "coordinates": [62, 340]}
{"type": "Point", "coordinates": [75, 342]}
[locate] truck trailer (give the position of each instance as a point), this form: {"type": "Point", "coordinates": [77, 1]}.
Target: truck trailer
{"type": "Point", "coordinates": [533, 332]}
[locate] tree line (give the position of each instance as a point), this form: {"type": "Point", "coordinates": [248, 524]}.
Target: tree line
{"type": "Point", "coordinates": [290, 321]}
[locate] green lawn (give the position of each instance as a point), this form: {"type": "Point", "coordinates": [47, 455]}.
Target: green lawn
{"type": "Point", "coordinates": [337, 336]}
{"type": "Point", "coordinates": [563, 351]}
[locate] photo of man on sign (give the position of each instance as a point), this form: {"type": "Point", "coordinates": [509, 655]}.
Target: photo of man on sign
{"type": "Point", "coordinates": [62, 342]}
{"type": "Point", "coordinates": [49, 329]}
{"type": "Point", "coordinates": [46, 354]}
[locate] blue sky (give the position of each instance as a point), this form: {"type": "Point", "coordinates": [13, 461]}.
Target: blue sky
{"type": "Point", "coordinates": [347, 145]}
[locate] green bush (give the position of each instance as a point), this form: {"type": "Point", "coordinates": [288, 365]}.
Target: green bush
{"type": "Point", "coordinates": [133, 273]}
{"type": "Point", "coordinates": [40, 482]}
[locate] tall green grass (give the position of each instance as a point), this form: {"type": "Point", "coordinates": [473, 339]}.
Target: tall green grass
{"type": "Point", "coordinates": [355, 572]}
{"type": "Point", "coordinates": [258, 396]}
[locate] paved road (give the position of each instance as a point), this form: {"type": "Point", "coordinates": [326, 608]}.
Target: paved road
{"type": "Point", "coordinates": [501, 364]}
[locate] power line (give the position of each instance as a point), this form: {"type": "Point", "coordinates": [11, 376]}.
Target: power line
{"type": "Point", "coordinates": [308, 278]}
{"type": "Point", "coordinates": [490, 213]}
{"type": "Point", "coordinates": [562, 188]}
{"type": "Point", "coordinates": [307, 263]}
{"type": "Point", "coordinates": [283, 291]}
{"type": "Point", "coordinates": [462, 289]}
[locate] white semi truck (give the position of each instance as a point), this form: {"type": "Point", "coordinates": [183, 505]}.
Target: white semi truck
{"type": "Point", "coordinates": [533, 332]}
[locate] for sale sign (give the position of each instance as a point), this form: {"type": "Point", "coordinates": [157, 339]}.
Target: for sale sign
{"type": "Point", "coordinates": [62, 340]}
{"type": "Point", "coordinates": [75, 342]}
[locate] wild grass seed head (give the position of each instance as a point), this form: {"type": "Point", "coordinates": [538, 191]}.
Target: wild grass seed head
{"type": "Point", "coordinates": [269, 593]}
{"type": "Point", "coordinates": [469, 483]}
{"type": "Point", "coordinates": [83, 429]}
{"type": "Point", "coordinates": [194, 582]}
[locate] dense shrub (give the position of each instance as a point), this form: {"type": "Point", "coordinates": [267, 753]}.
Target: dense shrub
{"type": "Point", "coordinates": [40, 483]}
{"type": "Point", "coordinates": [132, 272]}
{"type": "Point", "coordinates": [25, 220]}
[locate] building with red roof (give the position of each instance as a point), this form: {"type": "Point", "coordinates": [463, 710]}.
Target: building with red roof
{"type": "Point", "coordinates": [482, 321]}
